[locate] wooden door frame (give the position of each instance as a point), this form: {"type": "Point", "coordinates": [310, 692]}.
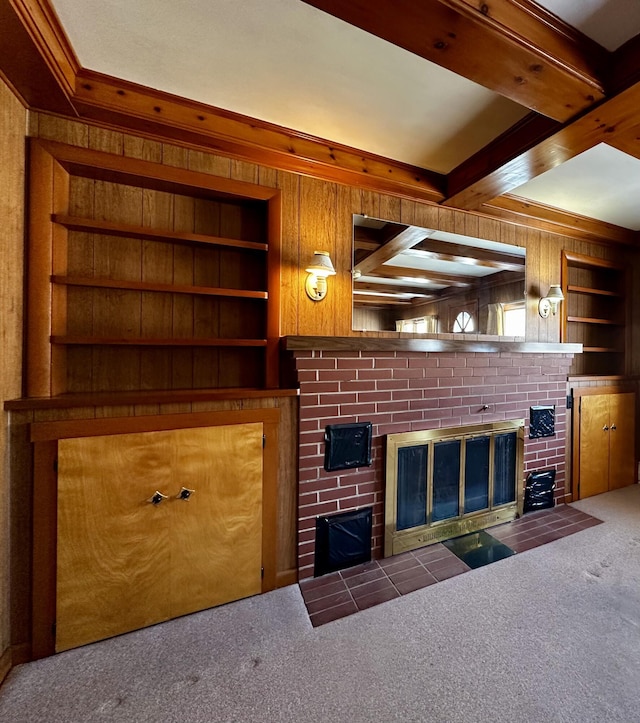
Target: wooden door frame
{"type": "Point", "coordinates": [577, 394]}
{"type": "Point", "coordinates": [45, 437]}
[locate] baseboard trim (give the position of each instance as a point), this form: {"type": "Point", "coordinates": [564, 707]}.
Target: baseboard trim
{"type": "Point", "coordinates": [286, 577]}
{"type": "Point", "coordinates": [21, 654]}
{"type": "Point", "coordinates": [6, 663]}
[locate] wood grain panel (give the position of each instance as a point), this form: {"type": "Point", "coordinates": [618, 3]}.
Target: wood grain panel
{"type": "Point", "coordinates": [291, 275]}
{"type": "Point", "coordinates": [317, 233]}
{"type": "Point", "coordinates": [113, 564]}
{"type": "Point", "coordinates": [594, 445]}
{"type": "Point", "coordinates": [13, 119]}
{"type": "Point", "coordinates": [215, 550]}
{"type": "Point", "coordinates": [622, 440]}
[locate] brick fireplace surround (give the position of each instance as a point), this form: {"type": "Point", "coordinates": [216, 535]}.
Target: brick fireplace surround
{"type": "Point", "coordinates": [403, 391]}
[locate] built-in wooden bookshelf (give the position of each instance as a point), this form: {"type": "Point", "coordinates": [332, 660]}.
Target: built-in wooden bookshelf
{"type": "Point", "coordinates": [147, 277]}
{"type": "Point", "coordinates": [594, 313]}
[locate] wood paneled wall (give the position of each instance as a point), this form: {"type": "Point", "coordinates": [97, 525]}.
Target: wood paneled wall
{"type": "Point", "coordinates": [12, 166]}
{"type": "Point", "coordinates": [316, 215]}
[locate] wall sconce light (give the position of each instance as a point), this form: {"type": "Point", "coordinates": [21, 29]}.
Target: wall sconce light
{"type": "Point", "coordinates": [318, 270]}
{"type": "Point", "coordinates": [549, 303]}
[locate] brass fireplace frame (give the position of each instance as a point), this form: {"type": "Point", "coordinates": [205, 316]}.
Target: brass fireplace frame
{"type": "Point", "coordinates": [397, 541]}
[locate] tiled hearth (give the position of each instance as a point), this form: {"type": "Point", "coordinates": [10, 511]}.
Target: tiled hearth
{"type": "Point", "coordinates": [346, 592]}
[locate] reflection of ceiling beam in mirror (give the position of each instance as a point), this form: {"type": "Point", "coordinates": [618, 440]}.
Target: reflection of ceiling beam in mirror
{"type": "Point", "coordinates": [406, 239]}
{"type": "Point", "coordinates": [401, 272]}
{"type": "Point", "coordinates": [378, 300]}
{"type": "Point", "coordinates": [392, 288]}
{"type": "Point", "coordinates": [458, 253]}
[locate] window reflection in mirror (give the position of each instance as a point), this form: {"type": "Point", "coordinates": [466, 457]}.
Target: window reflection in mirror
{"type": "Point", "coordinates": [425, 281]}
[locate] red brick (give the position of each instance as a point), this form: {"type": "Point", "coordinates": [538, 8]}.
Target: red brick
{"type": "Point", "coordinates": [407, 416]}
{"type": "Point", "coordinates": [390, 363]}
{"type": "Point", "coordinates": [392, 384]}
{"type": "Point", "coordinates": [323, 508]}
{"type": "Point", "coordinates": [318, 412]}
{"type": "Point", "coordinates": [394, 406]}
{"type": "Point", "coordinates": [320, 387]}
{"type": "Point", "coordinates": [338, 375]}
{"type": "Point", "coordinates": [355, 363]}
{"type": "Point", "coordinates": [423, 362]}
{"type": "Point", "coordinates": [374, 396]}
{"type": "Point", "coordinates": [409, 373]}
{"type": "Point", "coordinates": [363, 385]}
{"type": "Point", "coordinates": [358, 409]}
{"type": "Point", "coordinates": [315, 363]}
{"type": "Point", "coordinates": [338, 493]}
{"type": "Point", "coordinates": [350, 503]}
{"type": "Point", "coordinates": [375, 374]}
{"type": "Point", "coordinates": [339, 398]}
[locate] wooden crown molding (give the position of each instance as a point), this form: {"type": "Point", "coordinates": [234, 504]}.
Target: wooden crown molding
{"type": "Point", "coordinates": [43, 26]}
{"type": "Point", "coordinates": [107, 99]}
{"type": "Point", "coordinates": [512, 47]}
{"type": "Point", "coordinates": [524, 212]}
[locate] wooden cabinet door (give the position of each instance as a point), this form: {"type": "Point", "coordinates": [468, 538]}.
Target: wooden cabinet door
{"type": "Point", "coordinates": [123, 562]}
{"type": "Point", "coordinates": [594, 444]}
{"type": "Point", "coordinates": [112, 561]}
{"type": "Point", "coordinates": [216, 547]}
{"type": "Point", "coordinates": [622, 466]}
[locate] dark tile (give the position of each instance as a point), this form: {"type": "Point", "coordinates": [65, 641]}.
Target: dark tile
{"type": "Point", "coordinates": [314, 582]}
{"type": "Point", "coordinates": [319, 592]}
{"type": "Point", "coordinates": [592, 522]}
{"type": "Point", "coordinates": [370, 588]}
{"type": "Point", "coordinates": [526, 545]}
{"type": "Point", "coordinates": [399, 562]}
{"type": "Point", "coordinates": [452, 560]}
{"type": "Point", "coordinates": [452, 570]}
{"type": "Point", "coordinates": [364, 577]}
{"type": "Point", "coordinates": [380, 596]}
{"type": "Point", "coordinates": [432, 553]}
{"type": "Point", "coordinates": [410, 574]}
{"type": "Point", "coordinates": [359, 569]}
{"type": "Point", "coordinates": [335, 613]}
{"type": "Point", "coordinates": [415, 583]}
{"type": "Point", "coordinates": [330, 601]}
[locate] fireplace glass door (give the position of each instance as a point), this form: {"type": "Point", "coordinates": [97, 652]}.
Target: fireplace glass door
{"type": "Point", "coordinates": [444, 483]}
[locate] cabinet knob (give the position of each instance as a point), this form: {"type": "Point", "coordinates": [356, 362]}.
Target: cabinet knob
{"type": "Point", "coordinates": [185, 493]}
{"type": "Point", "coordinates": [613, 426]}
{"type": "Point", "coordinates": [605, 428]}
{"type": "Point", "coordinates": [157, 498]}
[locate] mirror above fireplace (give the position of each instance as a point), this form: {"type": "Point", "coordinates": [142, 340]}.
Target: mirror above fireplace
{"type": "Point", "coordinates": [420, 280]}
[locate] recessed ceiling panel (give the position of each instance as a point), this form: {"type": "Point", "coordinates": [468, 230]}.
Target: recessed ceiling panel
{"type": "Point", "coordinates": [288, 63]}
{"type": "Point", "coordinates": [609, 22]}
{"type": "Point", "coordinates": [601, 183]}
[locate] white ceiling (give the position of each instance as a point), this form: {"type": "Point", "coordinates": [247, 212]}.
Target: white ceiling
{"type": "Point", "coordinates": [288, 63]}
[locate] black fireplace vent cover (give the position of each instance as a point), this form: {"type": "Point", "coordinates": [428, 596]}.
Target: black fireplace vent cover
{"type": "Point", "coordinates": [538, 490]}
{"type": "Point", "coordinates": [347, 446]}
{"type": "Point", "coordinates": [342, 541]}
{"type": "Point", "coordinates": [542, 421]}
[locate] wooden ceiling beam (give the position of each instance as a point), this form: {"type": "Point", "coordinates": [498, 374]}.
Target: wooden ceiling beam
{"type": "Point", "coordinates": [470, 255]}
{"type": "Point", "coordinates": [513, 47]}
{"type": "Point", "coordinates": [611, 118]}
{"type": "Point", "coordinates": [382, 285]}
{"type": "Point", "coordinates": [401, 272]}
{"type": "Point", "coordinates": [397, 244]}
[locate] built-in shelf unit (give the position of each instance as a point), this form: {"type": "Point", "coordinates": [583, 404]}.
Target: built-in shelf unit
{"type": "Point", "coordinates": [144, 276]}
{"type": "Point", "coordinates": [594, 313]}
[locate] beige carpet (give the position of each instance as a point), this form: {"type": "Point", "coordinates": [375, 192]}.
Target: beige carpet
{"type": "Point", "coordinates": [551, 634]}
